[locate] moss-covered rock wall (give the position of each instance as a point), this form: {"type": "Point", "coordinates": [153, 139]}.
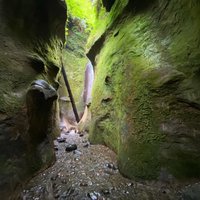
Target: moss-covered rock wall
{"type": "Point", "coordinates": [146, 96]}
{"type": "Point", "coordinates": [32, 35]}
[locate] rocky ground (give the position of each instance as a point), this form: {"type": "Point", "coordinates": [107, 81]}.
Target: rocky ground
{"type": "Point", "coordinates": [89, 172]}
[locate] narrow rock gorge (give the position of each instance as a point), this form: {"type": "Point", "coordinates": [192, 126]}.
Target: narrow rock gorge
{"type": "Point", "coordinates": [133, 68]}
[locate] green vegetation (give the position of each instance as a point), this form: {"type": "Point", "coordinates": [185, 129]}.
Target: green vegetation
{"type": "Point", "coordinates": [105, 20]}
{"type": "Point", "coordinates": [75, 68]}
{"type": "Point", "coordinates": [147, 61]}
{"type": "Point", "coordinates": [75, 62]}
{"type": "Point", "coordinates": [82, 9]}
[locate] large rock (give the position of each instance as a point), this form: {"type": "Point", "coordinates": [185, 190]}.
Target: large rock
{"type": "Point", "coordinates": [146, 96]}
{"type": "Point", "coordinates": [31, 34]}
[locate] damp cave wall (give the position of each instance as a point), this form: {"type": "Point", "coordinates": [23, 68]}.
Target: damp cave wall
{"type": "Point", "coordinates": [32, 35]}
{"type": "Point", "coordinates": [146, 99]}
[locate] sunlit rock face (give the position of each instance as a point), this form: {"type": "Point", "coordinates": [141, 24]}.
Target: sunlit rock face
{"type": "Point", "coordinates": [146, 99]}
{"type": "Point", "coordinates": [31, 34]}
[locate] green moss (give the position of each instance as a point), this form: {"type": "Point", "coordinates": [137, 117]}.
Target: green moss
{"type": "Point", "coordinates": [105, 20]}
{"type": "Point", "coordinates": [75, 61]}
{"type": "Point", "coordinates": [84, 10]}
{"type": "Point", "coordinates": [146, 59]}
{"type": "Point", "coordinates": [183, 164]}
{"type": "Point", "coordinates": [97, 138]}
{"type": "Point", "coordinates": [76, 42]}
{"type": "Point", "coordinates": [139, 160]}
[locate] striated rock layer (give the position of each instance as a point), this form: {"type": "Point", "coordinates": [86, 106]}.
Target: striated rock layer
{"type": "Point", "coordinates": [32, 35]}
{"type": "Point", "coordinates": [146, 100]}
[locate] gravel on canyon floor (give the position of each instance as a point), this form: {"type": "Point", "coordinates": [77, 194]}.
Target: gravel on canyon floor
{"type": "Point", "coordinates": [89, 172]}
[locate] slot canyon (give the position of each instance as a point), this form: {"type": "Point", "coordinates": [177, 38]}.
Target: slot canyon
{"type": "Point", "coordinates": [100, 99]}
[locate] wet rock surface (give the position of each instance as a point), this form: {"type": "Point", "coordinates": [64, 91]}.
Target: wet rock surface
{"type": "Point", "coordinates": [71, 147]}
{"type": "Point", "coordinates": [91, 174]}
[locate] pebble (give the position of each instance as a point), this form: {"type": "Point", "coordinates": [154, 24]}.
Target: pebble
{"type": "Point", "coordinates": [89, 183]}
{"type": "Point", "coordinates": [54, 177]}
{"type": "Point", "coordinates": [111, 166]}
{"type": "Point", "coordinates": [70, 147]}
{"type": "Point", "coordinates": [106, 191]}
{"type": "Point", "coordinates": [83, 184]}
{"type": "Point", "coordinates": [130, 184]}
{"type": "Point", "coordinates": [125, 192]}
{"type": "Point", "coordinates": [61, 140]}
{"type": "Point", "coordinates": [56, 196]}
{"type": "Point", "coordinates": [56, 148]}
{"type": "Point", "coordinates": [64, 195]}
{"type": "Point", "coordinates": [93, 195]}
{"type": "Point", "coordinates": [77, 152]}
{"type": "Point", "coordinates": [108, 171]}
{"type": "Point", "coordinates": [113, 188]}
{"type": "Point", "coordinates": [86, 145]}
{"type": "Point", "coordinates": [64, 181]}
{"type": "Point", "coordinates": [70, 191]}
